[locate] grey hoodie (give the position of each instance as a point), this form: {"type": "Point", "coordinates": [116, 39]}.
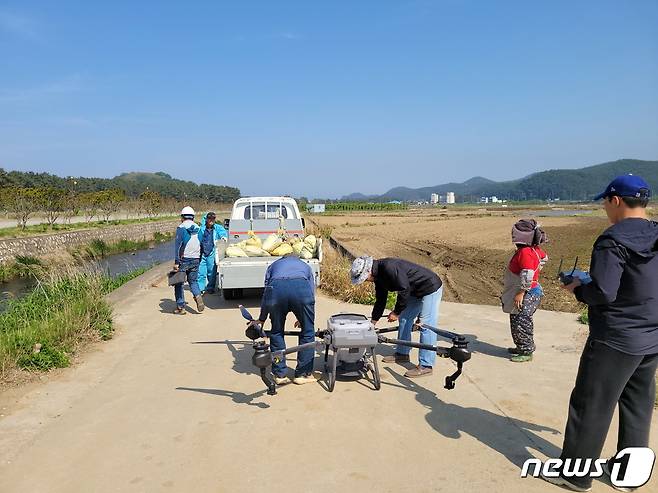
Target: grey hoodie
{"type": "Point", "coordinates": [623, 294]}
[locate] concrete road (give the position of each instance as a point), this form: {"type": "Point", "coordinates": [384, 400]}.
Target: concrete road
{"type": "Point", "coordinates": [172, 404]}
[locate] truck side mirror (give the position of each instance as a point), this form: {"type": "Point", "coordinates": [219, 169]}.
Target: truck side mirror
{"type": "Point", "coordinates": [226, 221]}
{"type": "Point", "coordinates": [303, 223]}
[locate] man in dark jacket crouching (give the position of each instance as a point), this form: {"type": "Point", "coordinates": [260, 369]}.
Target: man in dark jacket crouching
{"type": "Point", "coordinates": [618, 364]}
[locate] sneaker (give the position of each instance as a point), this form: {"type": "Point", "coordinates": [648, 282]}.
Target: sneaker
{"type": "Point", "coordinates": [418, 371]}
{"type": "Point", "coordinates": [521, 358]}
{"type": "Point", "coordinates": [560, 481]}
{"type": "Point", "coordinates": [607, 471]}
{"type": "Point", "coordinates": [199, 303]}
{"type": "Point", "coordinates": [281, 380]}
{"type": "Point", "coordinates": [180, 311]}
{"type": "Point", "coordinates": [396, 358]}
{"type": "Point", "coordinates": [513, 350]}
{"type": "Point", "coordinates": [302, 379]}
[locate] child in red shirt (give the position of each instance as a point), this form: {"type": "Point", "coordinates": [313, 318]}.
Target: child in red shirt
{"type": "Point", "coordinates": [522, 292]}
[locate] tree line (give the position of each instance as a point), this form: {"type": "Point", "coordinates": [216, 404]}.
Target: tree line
{"type": "Point", "coordinates": [61, 204]}
{"type": "Point", "coordinates": [364, 206]}
{"type": "Point", "coordinates": [131, 184]}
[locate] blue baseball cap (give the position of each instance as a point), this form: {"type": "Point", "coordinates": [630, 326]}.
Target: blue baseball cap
{"type": "Point", "coordinates": [626, 186]}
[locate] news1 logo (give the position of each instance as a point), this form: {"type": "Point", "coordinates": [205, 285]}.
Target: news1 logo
{"type": "Point", "coordinates": [629, 468]}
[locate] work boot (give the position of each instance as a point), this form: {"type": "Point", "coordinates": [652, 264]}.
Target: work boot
{"type": "Point", "coordinates": [281, 380]}
{"type": "Point", "coordinates": [418, 371]}
{"type": "Point", "coordinates": [199, 303]}
{"type": "Point", "coordinates": [180, 311]}
{"type": "Point", "coordinates": [513, 350]}
{"type": "Point", "coordinates": [560, 481]}
{"type": "Point", "coordinates": [396, 358]}
{"type": "Point", "coordinates": [302, 379]}
{"type": "Point", "coordinates": [521, 358]}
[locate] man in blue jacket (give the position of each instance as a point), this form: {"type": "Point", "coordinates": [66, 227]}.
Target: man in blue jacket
{"type": "Point", "coordinates": [187, 251]}
{"type": "Point", "coordinates": [290, 287]}
{"type": "Point", "coordinates": [618, 364]}
{"type": "Point", "coordinates": [209, 233]}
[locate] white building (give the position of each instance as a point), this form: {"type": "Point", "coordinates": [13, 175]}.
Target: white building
{"type": "Point", "coordinates": [450, 198]}
{"type": "Point", "coordinates": [434, 198]}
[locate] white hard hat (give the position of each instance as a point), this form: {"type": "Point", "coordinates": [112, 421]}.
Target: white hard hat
{"type": "Point", "coordinates": [187, 211]}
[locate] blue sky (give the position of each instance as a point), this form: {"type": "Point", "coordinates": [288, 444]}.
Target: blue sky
{"type": "Point", "coordinates": [324, 98]}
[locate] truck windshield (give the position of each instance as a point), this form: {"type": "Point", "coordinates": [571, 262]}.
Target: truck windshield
{"type": "Point", "coordinates": [257, 211]}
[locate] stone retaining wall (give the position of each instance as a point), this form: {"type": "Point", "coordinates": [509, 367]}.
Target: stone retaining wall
{"type": "Point", "coordinates": [52, 243]}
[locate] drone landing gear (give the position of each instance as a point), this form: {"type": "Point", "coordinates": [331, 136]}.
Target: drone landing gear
{"type": "Point", "coordinates": [366, 367]}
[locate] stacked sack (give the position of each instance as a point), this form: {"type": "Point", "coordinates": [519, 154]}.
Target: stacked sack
{"type": "Point", "coordinates": [275, 245]}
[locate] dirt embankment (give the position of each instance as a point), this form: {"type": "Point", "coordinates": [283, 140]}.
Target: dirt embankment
{"type": "Point", "coordinates": [469, 252]}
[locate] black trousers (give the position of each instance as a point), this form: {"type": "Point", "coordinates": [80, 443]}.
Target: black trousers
{"type": "Point", "coordinates": [607, 377]}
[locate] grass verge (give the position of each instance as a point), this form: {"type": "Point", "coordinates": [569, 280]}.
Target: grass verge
{"type": "Point", "coordinates": [22, 266]}
{"type": "Point", "coordinates": [41, 330]}
{"type": "Point", "coordinates": [335, 281]}
{"type": "Point", "coordinates": [100, 248]}
{"type": "Point", "coordinates": [583, 318]}
{"type": "Point", "coordinates": [37, 229]}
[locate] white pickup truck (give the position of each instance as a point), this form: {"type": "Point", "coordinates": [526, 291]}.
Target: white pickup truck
{"type": "Point", "coordinates": [261, 216]}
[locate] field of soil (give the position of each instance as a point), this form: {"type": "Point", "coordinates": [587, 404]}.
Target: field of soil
{"type": "Point", "coordinates": [469, 249]}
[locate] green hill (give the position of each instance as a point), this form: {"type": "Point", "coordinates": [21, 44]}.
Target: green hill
{"type": "Point", "coordinates": [132, 184]}
{"type": "Point", "coordinates": [564, 184]}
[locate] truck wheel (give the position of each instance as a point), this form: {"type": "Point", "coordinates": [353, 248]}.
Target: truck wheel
{"type": "Point", "coordinates": [237, 293]}
{"type": "Point", "coordinates": [227, 294]}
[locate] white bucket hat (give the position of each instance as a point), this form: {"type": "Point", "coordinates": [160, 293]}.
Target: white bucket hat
{"type": "Point", "coordinates": [361, 269]}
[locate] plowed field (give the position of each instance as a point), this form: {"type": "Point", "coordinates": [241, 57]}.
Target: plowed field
{"type": "Point", "coordinates": [468, 250]}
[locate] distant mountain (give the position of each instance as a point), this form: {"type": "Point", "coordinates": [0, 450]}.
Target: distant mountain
{"type": "Point", "coordinates": [358, 197]}
{"type": "Point", "coordinates": [132, 184]}
{"type": "Point", "coordinates": [565, 184]}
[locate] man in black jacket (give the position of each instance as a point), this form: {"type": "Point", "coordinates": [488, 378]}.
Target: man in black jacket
{"type": "Point", "coordinates": [419, 293]}
{"type": "Point", "coordinates": [618, 364]}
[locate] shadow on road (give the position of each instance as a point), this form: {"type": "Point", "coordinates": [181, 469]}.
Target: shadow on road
{"type": "Point", "coordinates": [168, 306]}
{"type": "Point", "coordinates": [241, 352]}
{"type": "Point", "coordinates": [251, 299]}
{"type": "Point", "coordinates": [237, 397]}
{"type": "Point", "coordinates": [493, 430]}
{"type": "Point", "coordinates": [477, 346]}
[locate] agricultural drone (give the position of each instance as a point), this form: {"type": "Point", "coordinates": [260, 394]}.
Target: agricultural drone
{"type": "Point", "coordinates": [352, 339]}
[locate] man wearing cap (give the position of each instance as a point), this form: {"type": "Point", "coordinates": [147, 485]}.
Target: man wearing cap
{"type": "Point", "coordinates": [618, 363]}
{"type": "Point", "coordinates": [187, 251]}
{"type": "Point", "coordinates": [419, 292]}
{"type": "Point", "coordinates": [209, 233]}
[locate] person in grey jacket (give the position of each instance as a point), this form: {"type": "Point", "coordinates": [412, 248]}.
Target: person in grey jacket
{"type": "Point", "coordinates": [618, 364]}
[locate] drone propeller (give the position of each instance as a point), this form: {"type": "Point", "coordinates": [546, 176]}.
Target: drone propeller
{"type": "Point", "coordinates": [245, 313]}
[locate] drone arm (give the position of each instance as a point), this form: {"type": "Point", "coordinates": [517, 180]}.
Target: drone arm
{"type": "Point", "coordinates": [439, 350]}
{"type": "Point", "coordinates": [459, 353]}
{"type": "Point", "coordinates": [439, 332]}
{"type": "Point", "coordinates": [294, 349]}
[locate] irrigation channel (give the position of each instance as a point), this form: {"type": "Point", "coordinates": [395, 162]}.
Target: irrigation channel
{"type": "Point", "coordinates": [112, 265]}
